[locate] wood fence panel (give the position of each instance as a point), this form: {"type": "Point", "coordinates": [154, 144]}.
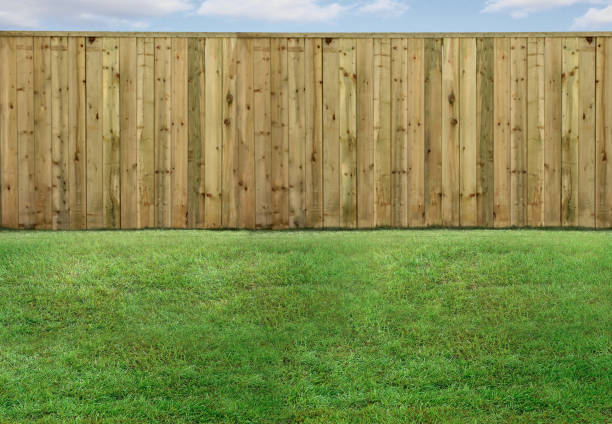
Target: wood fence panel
{"type": "Point", "coordinates": [485, 125]}
{"type": "Point", "coordinates": [603, 151]}
{"type": "Point", "coordinates": [196, 178]}
{"type": "Point", "coordinates": [450, 132]}
{"type": "Point", "coordinates": [42, 132]}
{"type": "Point", "coordinates": [552, 132]}
{"type": "Point", "coordinates": [433, 131]}
{"type": "Point", "coordinates": [365, 135]}
{"type": "Point", "coordinates": [399, 131]}
{"type": "Point", "coordinates": [535, 132]}
{"type": "Point", "coordinates": [501, 133]}
{"type": "Point", "coordinates": [331, 133]}
{"type": "Point", "coordinates": [279, 123]}
{"type": "Point", "coordinates": [382, 130]}
{"type": "Point", "coordinates": [296, 131]}
{"type": "Point", "coordinates": [24, 51]}
{"type": "Point", "coordinates": [263, 139]}
{"type": "Point", "coordinates": [518, 132]}
{"type": "Point", "coordinates": [467, 133]}
{"type": "Point", "coordinates": [313, 92]}
{"type": "Point", "coordinates": [94, 116]}
{"type": "Point", "coordinates": [213, 154]}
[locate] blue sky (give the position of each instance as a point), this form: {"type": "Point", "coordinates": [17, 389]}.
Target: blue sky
{"type": "Point", "coordinates": [307, 15]}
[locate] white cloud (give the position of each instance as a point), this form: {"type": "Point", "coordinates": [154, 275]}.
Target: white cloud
{"type": "Point", "coordinates": [110, 13]}
{"type": "Point", "coordinates": [523, 8]}
{"type": "Point", "coordinates": [273, 10]}
{"type": "Point", "coordinates": [594, 19]}
{"type": "Point", "coordinates": [384, 6]}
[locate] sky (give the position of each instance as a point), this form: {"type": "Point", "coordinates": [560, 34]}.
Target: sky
{"type": "Point", "coordinates": [307, 15]}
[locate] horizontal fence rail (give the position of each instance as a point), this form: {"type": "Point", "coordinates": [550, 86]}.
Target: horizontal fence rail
{"type": "Point", "coordinates": [302, 130]}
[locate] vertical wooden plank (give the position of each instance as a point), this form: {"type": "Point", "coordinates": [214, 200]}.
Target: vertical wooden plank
{"type": "Point", "coordinates": [485, 123]}
{"type": "Point", "coordinates": [399, 124]}
{"type": "Point", "coordinates": [535, 131]}
{"type": "Point", "coordinates": [42, 132]}
{"type": "Point", "coordinates": [603, 164]}
{"type": "Point", "coordinates": [77, 107]}
{"type": "Point", "coordinates": [468, 133]}
{"type": "Point", "coordinates": [450, 133]}
{"type": "Point", "coordinates": [95, 167]}
{"type": "Point", "coordinates": [416, 133]}
{"type": "Point", "coordinates": [433, 132]}
{"type": "Point", "coordinates": [518, 131]}
{"type": "Point", "coordinates": [552, 132]}
{"type": "Point", "coordinates": [348, 129]}
{"type": "Point", "coordinates": [214, 131]}
{"type": "Point", "coordinates": [366, 172]}
{"type": "Point", "coordinates": [570, 131]}
{"type": "Point", "coordinates": [331, 133]}
{"type": "Point", "coordinates": [263, 140]}
{"type": "Point", "coordinates": [60, 133]}
{"type": "Point", "coordinates": [111, 141]}
{"type": "Point", "coordinates": [128, 57]}
{"type": "Point", "coordinates": [180, 122]}
{"type": "Point", "coordinates": [297, 133]}
{"type": "Point", "coordinates": [163, 132]}
{"type": "Point", "coordinates": [586, 134]}
{"type": "Point", "coordinates": [145, 131]}
{"type": "Point", "coordinates": [9, 195]}
{"type": "Point", "coordinates": [501, 133]}
{"type": "Point", "coordinates": [196, 178]}
{"type": "Point", "coordinates": [245, 133]}
{"type": "Point", "coordinates": [382, 131]}
{"type": "Point", "coordinates": [313, 103]}
{"type": "Point", "coordinates": [25, 130]}
{"type": "Point", "coordinates": [230, 143]}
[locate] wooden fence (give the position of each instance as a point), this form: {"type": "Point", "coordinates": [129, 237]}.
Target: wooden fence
{"type": "Point", "coordinates": [119, 130]}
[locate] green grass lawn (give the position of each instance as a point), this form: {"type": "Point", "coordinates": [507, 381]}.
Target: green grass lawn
{"type": "Point", "coordinates": [382, 326]}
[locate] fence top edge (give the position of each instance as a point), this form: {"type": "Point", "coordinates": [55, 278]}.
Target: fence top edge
{"type": "Point", "coordinates": [302, 35]}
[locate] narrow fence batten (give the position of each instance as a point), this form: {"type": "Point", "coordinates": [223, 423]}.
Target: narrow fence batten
{"type": "Point", "coordinates": [230, 130]}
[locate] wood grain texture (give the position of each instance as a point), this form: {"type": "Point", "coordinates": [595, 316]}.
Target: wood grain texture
{"type": "Point", "coordinates": [297, 133]}
{"type": "Point", "coordinates": [9, 153]}
{"type": "Point", "coordinates": [213, 154]}
{"type": "Point", "coordinates": [416, 133]}
{"type": "Point", "coordinates": [603, 151]}
{"type": "Point", "coordinates": [125, 130]}
{"type": "Point", "coordinates": [263, 135]}
{"type": "Point", "coordinates": [399, 132]}
{"type": "Point", "coordinates": [279, 122]}
{"type": "Point", "coordinates": [536, 84]}
{"type": "Point", "coordinates": [552, 132]}
{"type": "Point", "coordinates": [60, 132]}
{"type": "Point", "coordinates": [163, 132]}
{"type": "Point", "coordinates": [196, 178]}
{"type": "Point", "coordinates": [450, 133]}
{"type": "Point", "coordinates": [366, 191]}
{"type": "Point", "coordinates": [313, 103]}
{"type": "Point", "coordinates": [111, 127]}
{"type": "Point", "coordinates": [331, 133]}
{"type": "Point", "coordinates": [433, 132]}
{"type": "Point", "coordinates": [501, 133]}
{"type": "Point", "coordinates": [518, 132]}
{"type": "Point", "coordinates": [382, 131]}
{"type": "Point", "coordinates": [485, 124]}
{"type": "Point", "coordinates": [24, 54]}
{"type": "Point", "coordinates": [43, 150]}
{"type": "Point", "coordinates": [468, 208]}
{"type": "Point", "coordinates": [94, 117]}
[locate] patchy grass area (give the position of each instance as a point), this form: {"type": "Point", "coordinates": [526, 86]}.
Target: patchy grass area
{"type": "Point", "coordinates": [382, 326]}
